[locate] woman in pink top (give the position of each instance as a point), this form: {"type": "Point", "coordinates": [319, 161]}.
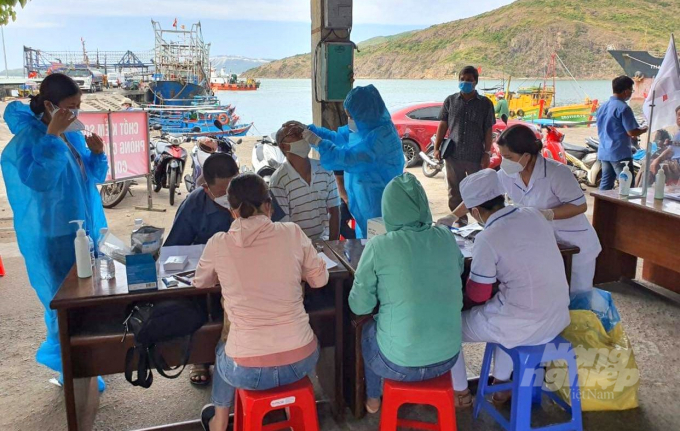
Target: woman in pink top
{"type": "Point", "coordinates": [260, 265]}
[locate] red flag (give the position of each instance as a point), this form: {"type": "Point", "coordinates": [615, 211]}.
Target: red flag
{"type": "Point", "coordinates": [665, 97]}
{"type": "Point", "coordinates": [174, 24]}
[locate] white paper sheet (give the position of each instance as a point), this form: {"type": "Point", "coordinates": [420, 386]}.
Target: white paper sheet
{"type": "Point", "coordinates": [364, 241]}
{"type": "Point", "coordinates": [192, 252]}
{"type": "Point", "coordinates": [329, 262]}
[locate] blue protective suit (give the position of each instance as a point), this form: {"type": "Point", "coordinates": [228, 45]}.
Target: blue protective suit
{"type": "Point", "coordinates": [47, 188]}
{"type": "Point", "coordinates": [371, 157]}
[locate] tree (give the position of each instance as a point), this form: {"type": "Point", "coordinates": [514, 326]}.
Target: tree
{"type": "Point", "coordinates": [7, 10]}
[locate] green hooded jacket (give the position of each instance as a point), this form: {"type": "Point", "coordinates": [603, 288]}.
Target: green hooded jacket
{"type": "Point", "coordinates": [414, 273]}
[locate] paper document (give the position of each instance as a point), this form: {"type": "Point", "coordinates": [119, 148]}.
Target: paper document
{"type": "Point", "coordinates": [192, 252]}
{"type": "Point", "coordinates": [672, 196]}
{"type": "Point", "coordinates": [364, 241]}
{"type": "Point", "coordinates": [469, 230]}
{"type": "Point", "coordinates": [329, 262]}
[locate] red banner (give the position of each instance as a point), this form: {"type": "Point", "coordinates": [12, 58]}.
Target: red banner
{"type": "Point", "coordinates": [130, 135]}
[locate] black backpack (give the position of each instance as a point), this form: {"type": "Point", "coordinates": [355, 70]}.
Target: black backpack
{"type": "Point", "coordinates": [153, 323]}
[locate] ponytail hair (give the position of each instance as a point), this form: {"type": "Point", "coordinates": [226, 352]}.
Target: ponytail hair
{"type": "Point", "coordinates": [54, 88]}
{"type": "Point", "coordinates": [520, 139]}
{"type": "Point", "coordinates": [247, 193]}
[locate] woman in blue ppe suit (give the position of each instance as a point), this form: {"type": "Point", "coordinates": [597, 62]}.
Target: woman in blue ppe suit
{"type": "Point", "coordinates": [50, 172]}
{"type": "Point", "coordinates": [368, 149]}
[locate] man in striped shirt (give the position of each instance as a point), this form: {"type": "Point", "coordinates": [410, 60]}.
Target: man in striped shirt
{"type": "Point", "coordinates": [305, 191]}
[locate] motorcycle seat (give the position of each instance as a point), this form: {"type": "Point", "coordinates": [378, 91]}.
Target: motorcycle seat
{"type": "Point", "coordinates": [580, 149]}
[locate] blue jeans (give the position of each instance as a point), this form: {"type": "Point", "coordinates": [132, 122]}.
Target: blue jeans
{"type": "Point", "coordinates": [228, 376]}
{"type": "Point", "coordinates": [377, 366]}
{"type": "Point", "coordinates": [612, 170]}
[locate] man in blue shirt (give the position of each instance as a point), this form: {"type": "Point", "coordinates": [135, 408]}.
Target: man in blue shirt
{"type": "Point", "coordinates": [616, 126]}
{"type": "Point", "coordinates": [204, 213]}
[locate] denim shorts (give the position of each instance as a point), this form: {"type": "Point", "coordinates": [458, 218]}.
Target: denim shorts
{"type": "Point", "coordinates": [229, 376]}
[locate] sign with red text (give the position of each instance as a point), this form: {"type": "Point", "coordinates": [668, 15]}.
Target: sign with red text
{"type": "Point", "coordinates": [126, 141]}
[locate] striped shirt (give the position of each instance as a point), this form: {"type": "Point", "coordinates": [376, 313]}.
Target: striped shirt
{"type": "Point", "coordinates": [304, 204]}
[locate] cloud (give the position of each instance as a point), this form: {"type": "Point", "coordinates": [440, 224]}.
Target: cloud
{"type": "Point", "coordinates": [390, 12]}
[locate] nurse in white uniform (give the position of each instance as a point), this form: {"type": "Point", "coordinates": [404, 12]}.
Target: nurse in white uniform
{"type": "Point", "coordinates": [532, 181]}
{"type": "Point", "coordinates": [517, 249]}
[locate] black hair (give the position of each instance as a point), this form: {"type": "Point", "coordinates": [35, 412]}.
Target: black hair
{"type": "Point", "coordinates": [247, 193]}
{"type": "Point", "coordinates": [520, 139]}
{"type": "Point", "coordinates": [494, 204]}
{"type": "Point", "coordinates": [55, 88]}
{"type": "Point", "coordinates": [469, 70]}
{"type": "Point", "coordinates": [677, 109]}
{"type": "Point", "coordinates": [622, 83]}
{"type": "Point", "coordinates": [661, 135]}
{"type": "Point", "coordinates": [219, 165]}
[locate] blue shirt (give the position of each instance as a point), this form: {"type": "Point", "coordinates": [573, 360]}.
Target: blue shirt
{"type": "Point", "coordinates": [198, 218]}
{"type": "Point", "coordinates": [614, 120]}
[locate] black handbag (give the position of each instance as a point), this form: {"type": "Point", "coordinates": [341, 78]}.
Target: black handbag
{"type": "Point", "coordinates": [447, 148]}
{"type": "Point", "coordinates": [153, 323]}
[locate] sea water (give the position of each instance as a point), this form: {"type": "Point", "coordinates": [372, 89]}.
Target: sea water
{"type": "Point", "coordinates": [280, 100]}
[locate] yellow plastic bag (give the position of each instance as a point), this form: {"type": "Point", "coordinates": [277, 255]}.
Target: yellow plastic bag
{"type": "Point", "coordinates": [608, 374]}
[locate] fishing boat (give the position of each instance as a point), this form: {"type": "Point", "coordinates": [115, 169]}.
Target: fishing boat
{"type": "Point", "coordinates": [182, 63]}
{"type": "Point", "coordinates": [582, 112]}
{"type": "Point", "coordinates": [642, 66]}
{"type": "Point", "coordinates": [526, 102]}
{"type": "Point", "coordinates": [233, 84]}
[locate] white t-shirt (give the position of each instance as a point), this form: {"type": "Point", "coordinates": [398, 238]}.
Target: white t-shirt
{"type": "Point", "coordinates": [306, 204]}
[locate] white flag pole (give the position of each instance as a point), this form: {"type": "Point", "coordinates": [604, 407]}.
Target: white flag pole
{"type": "Point", "coordinates": [648, 151]}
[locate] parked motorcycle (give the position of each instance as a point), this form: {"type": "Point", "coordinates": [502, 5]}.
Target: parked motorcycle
{"type": "Point", "coordinates": [266, 158]}
{"type": "Point", "coordinates": [168, 159]}
{"type": "Point", "coordinates": [114, 193]}
{"type": "Point", "coordinates": [583, 162]}
{"type": "Point", "coordinates": [203, 148]}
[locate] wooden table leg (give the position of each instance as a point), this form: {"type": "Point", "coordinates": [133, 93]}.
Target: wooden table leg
{"type": "Point", "coordinates": [69, 390]}
{"type": "Point", "coordinates": [567, 267]}
{"type": "Point", "coordinates": [339, 410]}
{"type": "Point", "coordinates": [612, 264]}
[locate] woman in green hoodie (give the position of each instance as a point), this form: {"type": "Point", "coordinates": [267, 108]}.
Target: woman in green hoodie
{"type": "Point", "coordinates": [414, 273]}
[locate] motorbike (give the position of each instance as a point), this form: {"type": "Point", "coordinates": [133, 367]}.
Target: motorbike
{"type": "Point", "coordinates": [266, 158]}
{"type": "Point", "coordinates": [168, 159]}
{"type": "Point", "coordinates": [583, 162]}
{"type": "Point", "coordinates": [203, 148]}
{"type": "Point", "coordinates": [553, 147]}
{"type": "Point", "coordinates": [114, 193]}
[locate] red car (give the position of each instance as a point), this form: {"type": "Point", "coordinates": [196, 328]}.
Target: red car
{"type": "Point", "coordinates": [417, 123]}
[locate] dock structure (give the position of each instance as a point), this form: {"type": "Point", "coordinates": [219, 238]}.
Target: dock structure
{"type": "Point", "coordinates": [38, 62]}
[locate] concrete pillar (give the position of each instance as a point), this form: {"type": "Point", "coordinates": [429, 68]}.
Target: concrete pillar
{"type": "Point", "coordinates": [330, 115]}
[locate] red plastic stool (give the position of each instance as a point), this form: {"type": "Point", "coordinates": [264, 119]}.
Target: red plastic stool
{"type": "Point", "coordinates": [436, 392]}
{"type": "Point", "coordinates": [297, 398]}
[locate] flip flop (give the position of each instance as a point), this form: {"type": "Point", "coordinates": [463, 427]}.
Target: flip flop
{"type": "Point", "coordinates": [207, 413]}
{"type": "Point", "coordinates": [198, 371]}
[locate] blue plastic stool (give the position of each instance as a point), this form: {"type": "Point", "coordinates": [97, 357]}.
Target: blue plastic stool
{"type": "Point", "coordinates": [526, 359]}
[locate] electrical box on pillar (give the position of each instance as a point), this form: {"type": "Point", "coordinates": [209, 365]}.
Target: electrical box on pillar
{"type": "Point", "coordinates": [338, 14]}
{"type": "Point", "coordinates": [336, 64]}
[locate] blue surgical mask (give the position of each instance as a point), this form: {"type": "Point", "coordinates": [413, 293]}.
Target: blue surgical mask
{"type": "Point", "coordinates": [466, 87]}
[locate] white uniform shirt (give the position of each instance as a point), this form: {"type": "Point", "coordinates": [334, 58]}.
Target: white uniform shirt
{"type": "Point", "coordinates": [517, 248]}
{"type": "Point", "coordinates": [305, 204]}
{"type": "Point", "coordinates": [551, 185]}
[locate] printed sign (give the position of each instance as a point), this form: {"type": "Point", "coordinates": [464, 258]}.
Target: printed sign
{"type": "Point", "coordinates": [126, 143]}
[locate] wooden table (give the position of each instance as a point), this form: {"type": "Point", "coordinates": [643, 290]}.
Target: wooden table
{"type": "Point", "coordinates": [637, 228]}
{"type": "Point", "coordinates": [349, 253]}
{"type": "Point", "coordinates": [91, 319]}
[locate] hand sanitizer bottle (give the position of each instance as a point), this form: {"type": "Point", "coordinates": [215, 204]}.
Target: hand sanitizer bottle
{"type": "Point", "coordinates": [660, 184]}
{"type": "Point", "coordinates": [82, 245]}
{"type": "Point", "coordinates": [625, 179]}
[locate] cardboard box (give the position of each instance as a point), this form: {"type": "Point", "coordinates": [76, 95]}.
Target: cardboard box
{"type": "Point", "coordinates": [376, 227]}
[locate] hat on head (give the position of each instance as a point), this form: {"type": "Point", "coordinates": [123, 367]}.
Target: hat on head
{"type": "Point", "coordinates": [126, 101]}
{"type": "Point", "coordinates": [500, 94]}
{"type": "Point", "coordinates": [480, 187]}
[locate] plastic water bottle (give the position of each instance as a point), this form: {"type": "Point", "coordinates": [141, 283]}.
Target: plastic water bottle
{"type": "Point", "coordinates": [93, 254]}
{"type": "Point", "coordinates": [105, 265]}
{"type": "Point", "coordinates": [660, 184]}
{"type": "Point", "coordinates": [625, 180]}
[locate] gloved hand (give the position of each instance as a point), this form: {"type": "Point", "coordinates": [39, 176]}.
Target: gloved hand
{"type": "Point", "coordinates": [310, 137]}
{"type": "Point", "coordinates": [448, 220]}
{"type": "Point", "coordinates": [548, 214]}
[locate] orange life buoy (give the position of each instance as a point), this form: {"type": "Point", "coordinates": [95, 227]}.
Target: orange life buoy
{"type": "Point", "coordinates": [223, 118]}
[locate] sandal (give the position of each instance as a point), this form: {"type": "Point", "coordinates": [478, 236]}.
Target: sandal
{"type": "Point", "coordinates": [373, 405]}
{"type": "Point", "coordinates": [500, 398]}
{"type": "Point", "coordinates": [207, 413]}
{"type": "Point", "coordinates": [199, 374]}
{"type": "Point", "coordinates": [463, 399]}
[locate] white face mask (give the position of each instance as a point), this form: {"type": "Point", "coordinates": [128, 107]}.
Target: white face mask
{"type": "Point", "coordinates": [352, 125]}
{"type": "Point", "coordinates": [511, 167]}
{"type": "Point", "coordinates": [75, 125]}
{"type": "Point", "coordinates": [222, 201]}
{"type": "Point", "coordinates": [300, 148]}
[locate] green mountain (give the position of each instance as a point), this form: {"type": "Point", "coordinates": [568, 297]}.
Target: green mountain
{"type": "Point", "coordinates": [516, 39]}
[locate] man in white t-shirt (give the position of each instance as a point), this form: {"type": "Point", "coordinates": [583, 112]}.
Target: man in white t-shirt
{"type": "Point", "coordinates": [305, 191]}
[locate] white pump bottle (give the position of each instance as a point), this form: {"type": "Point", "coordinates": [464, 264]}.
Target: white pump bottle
{"type": "Point", "coordinates": [82, 245]}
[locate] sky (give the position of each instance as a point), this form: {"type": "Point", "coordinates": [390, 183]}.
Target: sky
{"type": "Point", "coordinates": [271, 29]}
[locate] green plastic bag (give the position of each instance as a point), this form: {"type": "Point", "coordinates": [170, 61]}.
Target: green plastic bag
{"type": "Point", "coordinates": [608, 374]}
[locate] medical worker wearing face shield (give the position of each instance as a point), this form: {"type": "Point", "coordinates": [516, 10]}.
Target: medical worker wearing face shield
{"type": "Point", "coordinates": [368, 149]}
{"type": "Point", "coordinates": [530, 180]}
{"type": "Point", "coordinates": [51, 170]}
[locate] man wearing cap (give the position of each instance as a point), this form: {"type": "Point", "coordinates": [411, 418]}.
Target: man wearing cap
{"type": "Point", "coordinates": [501, 105]}
{"type": "Point", "coordinates": [518, 250]}
{"type": "Point", "coordinates": [126, 104]}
